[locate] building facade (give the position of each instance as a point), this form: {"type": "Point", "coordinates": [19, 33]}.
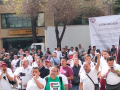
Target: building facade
{"type": "Point", "coordinates": [16, 31]}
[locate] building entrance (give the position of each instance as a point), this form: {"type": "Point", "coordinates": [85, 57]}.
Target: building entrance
{"type": "Point", "coordinates": [19, 43]}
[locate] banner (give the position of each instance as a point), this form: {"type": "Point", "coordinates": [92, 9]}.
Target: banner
{"type": "Point", "coordinates": [104, 31]}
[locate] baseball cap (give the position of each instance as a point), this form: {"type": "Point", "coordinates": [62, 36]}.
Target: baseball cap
{"type": "Point", "coordinates": [3, 64]}
{"type": "Point", "coordinates": [26, 51]}
{"type": "Point", "coordinates": [48, 61]}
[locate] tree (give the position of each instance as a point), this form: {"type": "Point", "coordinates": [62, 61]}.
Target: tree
{"type": "Point", "coordinates": [95, 8]}
{"type": "Point", "coordinates": [65, 11]}
{"type": "Point", "coordinates": [25, 8]}
{"type": "Point", "coordinates": [116, 7]}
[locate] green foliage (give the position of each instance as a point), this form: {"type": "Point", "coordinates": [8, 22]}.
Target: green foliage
{"type": "Point", "coordinates": [26, 7]}
{"type": "Point", "coordinates": [116, 7]}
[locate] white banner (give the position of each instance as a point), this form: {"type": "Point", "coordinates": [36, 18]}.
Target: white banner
{"type": "Point", "coordinates": [104, 31]}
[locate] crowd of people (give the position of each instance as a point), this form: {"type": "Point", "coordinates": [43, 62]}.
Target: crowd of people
{"type": "Point", "coordinates": [66, 69]}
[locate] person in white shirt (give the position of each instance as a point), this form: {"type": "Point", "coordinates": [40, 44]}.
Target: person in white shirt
{"type": "Point", "coordinates": [29, 57]}
{"type": "Point", "coordinates": [6, 75]}
{"type": "Point", "coordinates": [34, 64]}
{"type": "Point", "coordinates": [85, 82]}
{"type": "Point", "coordinates": [14, 62]}
{"type": "Point", "coordinates": [59, 54]}
{"type": "Point", "coordinates": [23, 79]}
{"type": "Point", "coordinates": [71, 52]}
{"type": "Point", "coordinates": [21, 59]}
{"type": "Point", "coordinates": [103, 62]}
{"type": "Point", "coordinates": [103, 59]}
{"type": "Point", "coordinates": [87, 59]}
{"type": "Point", "coordinates": [64, 78]}
{"type": "Point", "coordinates": [36, 83]}
{"type": "Point", "coordinates": [112, 74]}
{"type": "Point", "coordinates": [20, 53]}
{"type": "Point", "coordinates": [71, 60]}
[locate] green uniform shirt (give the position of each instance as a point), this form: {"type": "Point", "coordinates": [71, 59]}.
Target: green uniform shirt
{"type": "Point", "coordinates": [54, 84]}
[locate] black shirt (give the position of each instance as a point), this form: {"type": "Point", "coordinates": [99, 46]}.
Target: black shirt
{"type": "Point", "coordinates": [8, 62]}
{"type": "Point", "coordinates": [40, 55]}
{"type": "Point", "coordinates": [113, 50]}
{"type": "Point", "coordinates": [76, 70]}
{"type": "Point", "coordinates": [43, 72]}
{"type": "Point", "coordinates": [76, 79]}
{"type": "Point", "coordinates": [11, 57]}
{"type": "Point", "coordinates": [88, 51]}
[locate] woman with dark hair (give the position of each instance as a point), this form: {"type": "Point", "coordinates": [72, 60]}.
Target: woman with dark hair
{"type": "Point", "coordinates": [89, 50]}
{"type": "Point", "coordinates": [64, 53]}
{"type": "Point", "coordinates": [76, 49]}
{"type": "Point", "coordinates": [39, 53]}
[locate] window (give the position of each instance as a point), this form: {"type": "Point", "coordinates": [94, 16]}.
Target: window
{"type": "Point", "coordinates": [15, 21]}
{"type": "Point", "coordinates": [1, 2]}
{"type": "Point", "coordinates": [17, 43]}
{"type": "Point", "coordinates": [81, 20]}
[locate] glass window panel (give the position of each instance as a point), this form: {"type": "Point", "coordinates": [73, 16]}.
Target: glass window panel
{"type": "Point", "coordinates": [19, 23]}
{"type": "Point", "coordinates": [29, 23]}
{"type": "Point", "coordinates": [15, 21]}
{"type": "Point", "coordinates": [3, 22]}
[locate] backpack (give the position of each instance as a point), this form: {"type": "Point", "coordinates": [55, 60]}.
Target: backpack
{"type": "Point", "coordinates": [46, 79]}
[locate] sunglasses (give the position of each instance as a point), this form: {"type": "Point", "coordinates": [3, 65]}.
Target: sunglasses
{"type": "Point", "coordinates": [39, 61]}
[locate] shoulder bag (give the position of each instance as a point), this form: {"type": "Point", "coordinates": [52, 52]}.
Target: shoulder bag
{"type": "Point", "coordinates": [96, 85]}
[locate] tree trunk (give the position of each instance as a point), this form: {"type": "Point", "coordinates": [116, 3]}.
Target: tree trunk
{"type": "Point", "coordinates": [59, 40]}
{"type": "Point", "coordinates": [33, 21]}
{"type": "Point", "coordinates": [59, 43]}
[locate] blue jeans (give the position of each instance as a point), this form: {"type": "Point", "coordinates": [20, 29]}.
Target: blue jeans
{"type": "Point", "coordinates": [70, 89]}
{"type": "Point", "coordinates": [75, 87]}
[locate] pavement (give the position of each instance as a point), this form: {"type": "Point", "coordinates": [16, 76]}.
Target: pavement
{"type": "Point", "coordinates": [14, 87]}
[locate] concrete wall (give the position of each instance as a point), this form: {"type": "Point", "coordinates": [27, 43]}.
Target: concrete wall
{"type": "Point", "coordinates": [74, 35]}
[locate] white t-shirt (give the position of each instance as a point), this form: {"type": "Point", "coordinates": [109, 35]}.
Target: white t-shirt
{"type": "Point", "coordinates": [13, 63]}
{"type": "Point", "coordinates": [30, 59]}
{"type": "Point", "coordinates": [72, 63]}
{"type": "Point", "coordinates": [112, 78]}
{"type": "Point", "coordinates": [59, 54]}
{"type": "Point", "coordinates": [87, 83]}
{"type": "Point", "coordinates": [4, 84]}
{"type": "Point", "coordinates": [64, 78]}
{"type": "Point", "coordinates": [33, 86]}
{"type": "Point", "coordinates": [71, 52]}
{"type": "Point", "coordinates": [25, 78]}
{"type": "Point", "coordinates": [34, 64]}
{"type": "Point", "coordinates": [103, 62]}
{"type": "Point", "coordinates": [91, 64]}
